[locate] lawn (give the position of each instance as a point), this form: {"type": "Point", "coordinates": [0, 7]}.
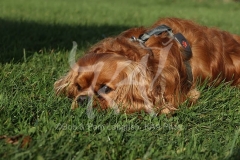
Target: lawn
{"type": "Point", "coordinates": [35, 41]}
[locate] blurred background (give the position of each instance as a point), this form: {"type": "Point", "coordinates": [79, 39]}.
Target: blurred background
{"type": "Point", "coordinates": [37, 26]}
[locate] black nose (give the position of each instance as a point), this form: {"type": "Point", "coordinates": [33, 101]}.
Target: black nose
{"type": "Point", "coordinates": [82, 100]}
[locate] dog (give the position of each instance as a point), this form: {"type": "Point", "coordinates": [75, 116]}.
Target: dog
{"type": "Point", "coordinates": [152, 69]}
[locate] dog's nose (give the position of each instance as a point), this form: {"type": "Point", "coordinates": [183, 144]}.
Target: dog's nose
{"type": "Point", "coordinates": [82, 100]}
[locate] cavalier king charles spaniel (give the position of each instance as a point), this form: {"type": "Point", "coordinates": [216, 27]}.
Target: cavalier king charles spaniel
{"type": "Point", "coordinates": [152, 69]}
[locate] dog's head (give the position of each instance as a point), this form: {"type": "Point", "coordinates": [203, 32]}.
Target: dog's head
{"type": "Point", "coordinates": [108, 80]}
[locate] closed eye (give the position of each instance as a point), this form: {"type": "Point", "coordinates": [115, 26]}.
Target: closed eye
{"type": "Point", "coordinates": [104, 89]}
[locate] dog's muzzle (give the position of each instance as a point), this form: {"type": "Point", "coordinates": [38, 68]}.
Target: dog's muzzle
{"type": "Point", "coordinates": [83, 100]}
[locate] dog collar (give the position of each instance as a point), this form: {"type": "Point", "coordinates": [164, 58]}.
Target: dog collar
{"type": "Point", "coordinates": [163, 28]}
{"type": "Point", "coordinates": [178, 37]}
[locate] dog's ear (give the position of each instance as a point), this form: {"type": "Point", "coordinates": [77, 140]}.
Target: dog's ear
{"type": "Point", "coordinates": [132, 92]}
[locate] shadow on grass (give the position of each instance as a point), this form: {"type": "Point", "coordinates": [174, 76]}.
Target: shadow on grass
{"type": "Point", "coordinates": [15, 36]}
{"type": "Point", "coordinates": [236, 154]}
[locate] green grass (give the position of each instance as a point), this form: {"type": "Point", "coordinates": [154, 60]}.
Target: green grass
{"type": "Point", "coordinates": [35, 39]}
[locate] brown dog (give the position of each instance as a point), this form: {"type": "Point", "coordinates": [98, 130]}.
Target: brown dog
{"type": "Point", "coordinates": [152, 69]}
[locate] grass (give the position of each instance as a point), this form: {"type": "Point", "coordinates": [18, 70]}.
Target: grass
{"type": "Point", "coordinates": [36, 37]}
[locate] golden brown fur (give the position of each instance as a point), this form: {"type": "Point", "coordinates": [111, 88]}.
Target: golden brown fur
{"type": "Point", "coordinates": [152, 77]}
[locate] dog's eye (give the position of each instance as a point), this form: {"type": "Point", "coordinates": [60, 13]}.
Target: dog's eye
{"type": "Point", "coordinates": [104, 89]}
{"type": "Point", "coordinates": [78, 86]}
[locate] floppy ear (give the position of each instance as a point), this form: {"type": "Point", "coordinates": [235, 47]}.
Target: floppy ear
{"type": "Point", "coordinates": [132, 92]}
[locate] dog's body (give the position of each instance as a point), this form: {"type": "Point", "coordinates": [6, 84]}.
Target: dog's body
{"type": "Point", "coordinates": [155, 76]}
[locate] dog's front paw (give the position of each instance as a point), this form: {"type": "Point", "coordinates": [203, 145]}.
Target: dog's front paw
{"type": "Point", "coordinates": [193, 95]}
